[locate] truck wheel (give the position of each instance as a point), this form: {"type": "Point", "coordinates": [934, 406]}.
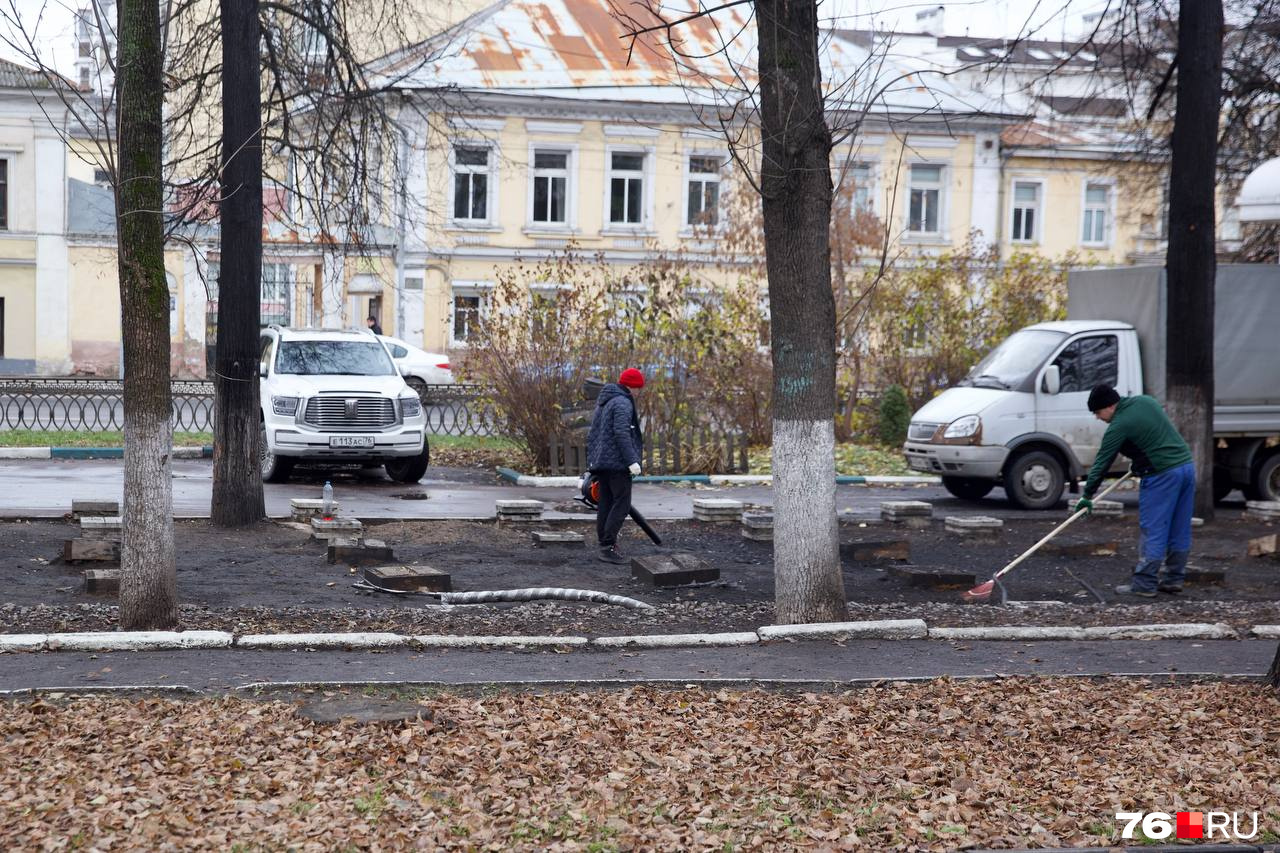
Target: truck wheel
{"type": "Point", "coordinates": [411, 468]}
{"type": "Point", "coordinates": [1266, 480]}
{"type": "Point", "coordinates": [1034, 480]}
{"type": "Point", "coordinates": [968, 488]}
{"type": "Point", "coordinates": [274, 469]}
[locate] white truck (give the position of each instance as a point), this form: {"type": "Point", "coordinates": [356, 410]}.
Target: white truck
{"type": "Point", "coordinates": [336, 397]}
{"type": "Point", "coordinates": [1019, 419]}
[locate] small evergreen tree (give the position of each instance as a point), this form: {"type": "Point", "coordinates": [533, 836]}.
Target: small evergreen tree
{"type": "Point", "coordinates": [894, 416]}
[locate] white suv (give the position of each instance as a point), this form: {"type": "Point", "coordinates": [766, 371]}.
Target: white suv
{"type": "Point", "coordinates": [332, 396]}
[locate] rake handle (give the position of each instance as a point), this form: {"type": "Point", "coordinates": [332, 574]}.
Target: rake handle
{"type": "Point", "coordinates": [1058, 529]}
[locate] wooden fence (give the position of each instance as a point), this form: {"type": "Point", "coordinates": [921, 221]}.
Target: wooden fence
{"type": "Point", "coordinates": [684, 452]}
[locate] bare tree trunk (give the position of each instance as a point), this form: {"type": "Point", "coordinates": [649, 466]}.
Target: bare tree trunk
{"type": "Point", "coordinates": [148, 587]}
{"type": "Point", "coordinates": [237, 483]}
{"type": "Point", "coordinates": [796, 188]}
{"type": "Point", "coordinates": [1191, 263]}
{"type": "Point", "coordinates": [1274, 675]}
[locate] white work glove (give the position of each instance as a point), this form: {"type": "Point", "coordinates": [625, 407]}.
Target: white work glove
{"type": "Point", "coordinates": [634, 468]}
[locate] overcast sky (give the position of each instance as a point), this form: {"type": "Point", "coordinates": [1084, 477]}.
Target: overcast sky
{"type": "Point", "coordinates": [51, 21]}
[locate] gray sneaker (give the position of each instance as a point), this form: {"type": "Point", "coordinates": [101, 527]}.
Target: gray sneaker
{"type": "Point", "coordinates": [1127, 589]}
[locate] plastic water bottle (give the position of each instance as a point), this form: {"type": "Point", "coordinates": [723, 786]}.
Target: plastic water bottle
{"type": "Point", "coordinates": [326, 505]}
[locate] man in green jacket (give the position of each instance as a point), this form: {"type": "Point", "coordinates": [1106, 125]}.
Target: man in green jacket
{"type": "Point", "coordinates": [1139, 428]}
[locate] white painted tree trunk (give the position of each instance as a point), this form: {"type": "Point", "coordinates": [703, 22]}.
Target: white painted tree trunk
{"type": "Point", "coordinates": [808, 586]}
{"type": "Point", "coordinates": [148, 586]}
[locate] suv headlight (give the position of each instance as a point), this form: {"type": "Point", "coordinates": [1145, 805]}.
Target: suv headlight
{"type": "Point", "coordinates": [284, 405]}
{"type": "Point", "coordinates": [967, 427]}
{"type": "Point", "coordinates": [410, 407]}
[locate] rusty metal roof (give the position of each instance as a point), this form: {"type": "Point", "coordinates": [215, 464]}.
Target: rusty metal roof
{"type": "Point", "coordinates": [579, 49]}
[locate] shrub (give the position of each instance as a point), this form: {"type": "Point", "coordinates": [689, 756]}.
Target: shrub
{"type": "Point", "coordinates": [894, 416]}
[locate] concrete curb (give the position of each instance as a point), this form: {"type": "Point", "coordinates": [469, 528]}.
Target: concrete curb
{"type": "Point", "coordinates": [665, 641]}
{"type": "Point", "coordinates": [1189, 631]}
{"type": "Point", "coordinates": [205, 452]}
{"type": "Point", "coordinates": [321, 641]}
{"type": "Point", "coordinates": [1011, 632]}
{"type": "Point", "coordinates": [894, 629]}
{"type": "Point", "coordinates": [137, 641]}
{"type": "Point", "coordinates": [884, 629]}
{"type": "Point", "coordinates": [532, 481]}
{"type": "Point", "coordinates": [446, 641]}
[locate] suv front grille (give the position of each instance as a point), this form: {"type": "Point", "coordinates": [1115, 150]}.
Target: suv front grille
{"type": "Point", "coordinates": [350, 413]}
{"type": "Point", "coordinates": [921, 431]}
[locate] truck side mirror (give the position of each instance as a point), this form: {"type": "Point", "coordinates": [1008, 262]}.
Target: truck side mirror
{"type": "Point", "coordinates": [1052, 380]}
{"type": "Point", "coordinates": [262, 371]}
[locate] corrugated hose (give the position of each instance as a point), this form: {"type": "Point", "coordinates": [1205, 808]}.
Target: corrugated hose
{"type": "Point", "coordinates": [486, 596]}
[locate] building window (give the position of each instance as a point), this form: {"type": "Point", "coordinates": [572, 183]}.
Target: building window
{"type": "Point", "coordinates": [703, 192]}
{"type": "Point", "coordinates": [1097, 206]}
{"type": "Point", "coordinates": [626, 187]}
{"type": "Point", "coordinates": [925, 200]}
{"type": "Point", "coordinates": [470, 304]}
{"type": "Point", "coordinates": [550, 187]}
{"type": "Point", "coordinates": [85, 81]}
{"type": "Point", "coordinates": [1026, 211]}
{"type": "Point", "coordinates": [277, 281]}
{"type": "Point", "coordinates": [859, 177]}
{"type": "Point", "coordinates": [470, 183]}
{"type": "Point", "coordinates": [4, 195]}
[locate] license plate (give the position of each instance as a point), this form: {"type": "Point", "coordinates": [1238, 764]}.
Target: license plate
{"type": "Point", "coordinates": [917, 464]}
{"type": "Point", "coordinates": [351, 441]}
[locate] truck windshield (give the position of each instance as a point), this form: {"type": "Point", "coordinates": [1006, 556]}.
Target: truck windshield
{"type": "Point", "coordinates": [334, 358]}
{"type": "Point", "coordinates": [1008, 365]}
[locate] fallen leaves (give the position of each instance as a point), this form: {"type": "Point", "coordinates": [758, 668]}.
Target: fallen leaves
{"type": "Point", "coordinates": [933, 766]}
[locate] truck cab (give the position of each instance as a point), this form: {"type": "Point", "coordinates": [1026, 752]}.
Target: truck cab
{"type": "Point", "coordinates": [1020, 418]}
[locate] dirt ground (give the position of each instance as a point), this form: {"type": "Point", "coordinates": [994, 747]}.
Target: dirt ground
{"type": "Point", "coordinates": [275, 577]}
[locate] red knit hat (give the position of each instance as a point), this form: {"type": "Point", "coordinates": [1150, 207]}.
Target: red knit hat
{"type": "Point", "coordinates": [631, 378]}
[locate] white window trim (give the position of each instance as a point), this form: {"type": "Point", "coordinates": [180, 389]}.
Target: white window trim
{"type": "Point", "coordinates": [9, 156]}
{"type": "Point", "coordinates": [942, 235]}
{"type": "Point", "coordinates": [468, 287]}
{"type": "Point", "coordinates": [1108, 234]}
{"type": "Point", "coordinates": [570, 190]}
{"type": "Point", "coordinates": [1038, 225]}
{"type": "Point", "coordinates": [491, 170]}
{"type": "Point", "coordinates": [686, 229]}
{"type": "Point", "coordinates": [645, 226]}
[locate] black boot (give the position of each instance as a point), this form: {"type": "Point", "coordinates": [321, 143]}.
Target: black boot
{"type": "Point", "coordinates": [609, 554]}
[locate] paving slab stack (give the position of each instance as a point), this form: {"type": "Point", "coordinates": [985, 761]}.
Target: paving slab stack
{"type": "Point", "coordinates": [717, 510]}
{"type": "Point", "coordinates": [969, 526]}
{"type": "Point", "coordinates": [109, 528]}
{"type": "Point", "coordinates": [1108, 509]}
{"type": "Point", "coordinates": [1263, 510]}
{"type": "Point", "coordinates": [325, 529]}
{"type": "Point", "coordinates": [79, 509]}
{"type": "Point", "coordinates": [557, 537]}
{"type": "Point", "coordinates": [757, 526]}
{"type": "Point", "coordinates": [520, 510]}
{"type": "Point", "coordinates": [304, 509]}
{"type": "Point", "coordinates": [910, 513]}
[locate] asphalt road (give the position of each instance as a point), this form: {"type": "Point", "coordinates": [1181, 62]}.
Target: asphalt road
{"type": "Point", "coordinates": [45, 488]}
{"type": "Point", "coordinates": [804, 663]}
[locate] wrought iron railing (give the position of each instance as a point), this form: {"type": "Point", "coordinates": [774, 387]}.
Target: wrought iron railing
{"type": "Point", "coordinates": [49, 404]}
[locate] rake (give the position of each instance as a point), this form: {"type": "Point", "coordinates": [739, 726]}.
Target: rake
{"type": "Point", "coordinates": [982, 591]}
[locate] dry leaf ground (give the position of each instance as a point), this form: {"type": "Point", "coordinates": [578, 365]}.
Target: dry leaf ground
{"type": "Point", "coordinates": [934, 766]}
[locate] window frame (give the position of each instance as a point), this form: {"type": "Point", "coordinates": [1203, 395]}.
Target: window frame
{"type": "Point", "coordinates": [1108, 211]}
{"type": "Point", "coordinates": [491, 183]}
{"type": "Point", "coordinates": [645, 225]}
{"type": "Point", "coordinates": [939, 235]}
{"type": "Point", "coordinates": [1038, 221]}
{"type": "Point", "coordinates": [483, 290]}
{"type": "Point", "coordinates": [847, 168]}
{"type": "Point", "coordinates": [6, 182]}
{"type": "Point", "coordinates": [718, 178]}
{"type": "Point", "coordinates": [570, 222]}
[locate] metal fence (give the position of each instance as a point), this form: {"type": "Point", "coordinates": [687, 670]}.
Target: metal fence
{"type": "Point", "coordinates": [46, 404]}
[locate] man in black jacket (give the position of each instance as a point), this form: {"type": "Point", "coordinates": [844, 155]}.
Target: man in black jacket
{"type": "Point", "coordinates": [614, 446]}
